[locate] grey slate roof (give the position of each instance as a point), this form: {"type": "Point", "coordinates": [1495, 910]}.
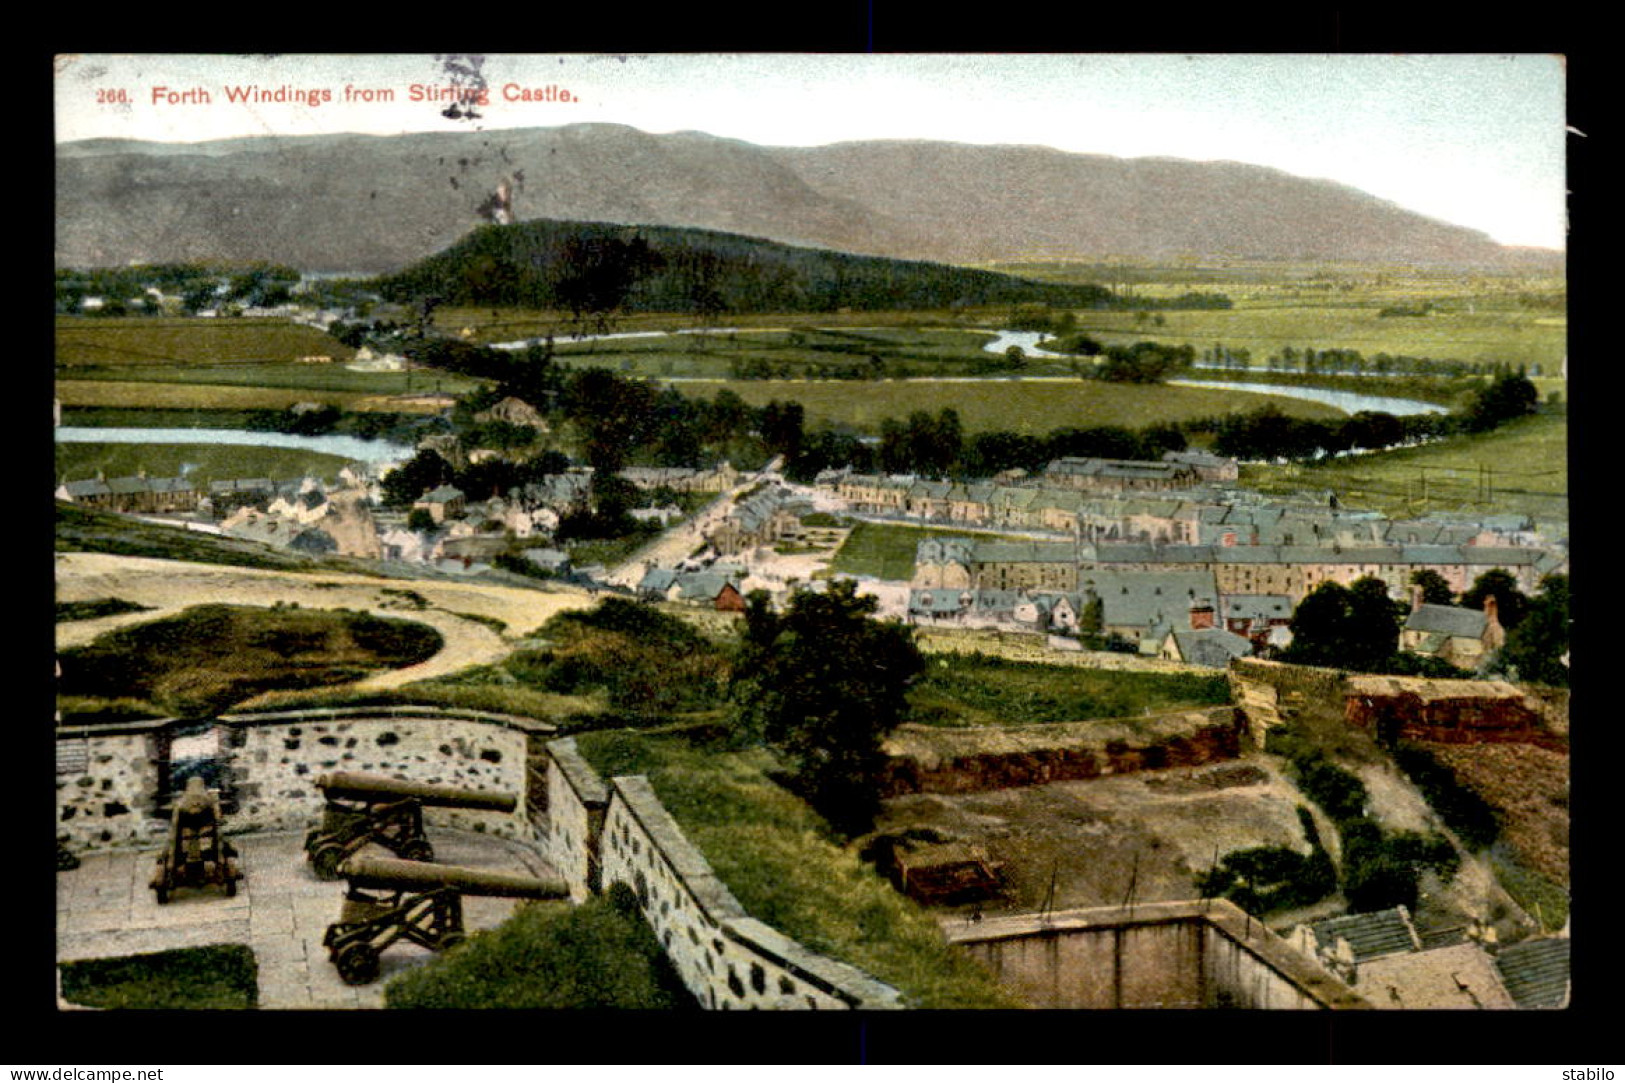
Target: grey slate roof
{"type": "Point", "coordinates": [1257, 607]}
{"type": "Point", "coordinates": [703, 586]}
{"type": "Point", "coordinates": [935, 601]}
{"type": "Point", "coordinates": [1211, 646]}
{"type": "Point", "coordinates": [1384, 932]}
{"type": "Point", "coordinates": [1449, 620]}
{"type": "Point", "coordinates": [658, 579]}
{"type": "Point", "coordinates": [1536, 972]}
{"type": "Point", "coordinates": [1141, 599]}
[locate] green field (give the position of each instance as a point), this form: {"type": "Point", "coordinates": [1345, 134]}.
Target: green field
{"type": "Point", "coordinates": [1264, 327]}
{"type": "Point", "coordinates": [321, 378]}
{"type": "Point", "coordinates": [886, 550]}
{"type": "Point", "coordinates": [201, 462]}
{"type": "Point", "coordinates": [1516, 318]}
{"type": "Point", "coordinates": [1525, 464]}
{"type": "Point", "coordinates": [87, 340]}
{"type": "Point", "coordinates": [1028, 406]}
{"type": "Point", "coordinates": [166, 395]}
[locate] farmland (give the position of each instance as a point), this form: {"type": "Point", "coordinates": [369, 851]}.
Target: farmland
{"type": "Point", "coordinates": [1028, 406]}
{"type": "Point", "coordinates": [202, 462]}
{"type": "Point", "coordinates": [150, 341]}
{"type": "Point", "coordinates": [1520, 467]}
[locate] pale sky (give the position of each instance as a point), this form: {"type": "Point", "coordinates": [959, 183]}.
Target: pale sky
{"type": "Point", "coordinates": [1475, 140]}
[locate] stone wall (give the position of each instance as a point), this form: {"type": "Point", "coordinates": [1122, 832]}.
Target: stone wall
{"type": "Point", "coordinates": [727, 959]}
{"type": "Point", "coordinates": [577, 801]}
{"type": "Point", "coordinates": [105, 790]}
{"type": "Point", "coordinates": [112, 781]}
{"type": "Point", "coordinates": [1271, 693]}
{"type": "Point", "coordinates": [1157, 955]}
{"type": "Point", "coordinates": [279, 758]}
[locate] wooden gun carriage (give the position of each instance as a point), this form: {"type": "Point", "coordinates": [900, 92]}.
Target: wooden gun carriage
{"type": "Point", "coordinates": [388, 811]}
{"type": "Point", "coordinates": [196, 855]}
{"type": "Point", "coordinates": [418, 902]}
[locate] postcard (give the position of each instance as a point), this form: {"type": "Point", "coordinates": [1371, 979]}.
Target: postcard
{"type": "Point", "coordinates": [812, 532]}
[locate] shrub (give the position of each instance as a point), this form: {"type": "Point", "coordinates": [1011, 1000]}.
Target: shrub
{"type": "Point", "coordinates": [1462, 810]}
{"type": "Point", "coordinates": [600, 954]}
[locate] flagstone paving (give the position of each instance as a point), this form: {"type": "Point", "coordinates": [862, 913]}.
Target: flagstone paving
{"type": "Point", "coordinates": [105, 908]}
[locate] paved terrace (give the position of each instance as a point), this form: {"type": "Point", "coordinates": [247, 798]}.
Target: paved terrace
{"type": "Point", "coordinates": [106, 908]}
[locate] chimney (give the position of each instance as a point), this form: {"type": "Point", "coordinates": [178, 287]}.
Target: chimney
{"type": "Point", "coordinates": [1490, 610]}
{"type": "Point", "coordinates": [1201, 616]}
{"type": "Point", "coordinates": [1416, 598]}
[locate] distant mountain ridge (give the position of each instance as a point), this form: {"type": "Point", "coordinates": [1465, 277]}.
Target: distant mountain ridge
{"type": "Point", "coordinates": [375, 204]}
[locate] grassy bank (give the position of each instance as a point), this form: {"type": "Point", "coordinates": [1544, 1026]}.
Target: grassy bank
{"type": "Point", "coordinates": [781, 862]}
{"type": "Point", "coordinates": [969, 690]}
{"type": "Point", "coordinates": [218, 977]}
{"type": "Point", "coordinates": [209, 658]}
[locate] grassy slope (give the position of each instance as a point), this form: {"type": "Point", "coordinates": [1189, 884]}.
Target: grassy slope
{"type": "Point", "coordinates": [209, 658]}
{"type": "Point", "coordinates": [779, 860]}
{"type": "Point", "coordinates": [961, 690]}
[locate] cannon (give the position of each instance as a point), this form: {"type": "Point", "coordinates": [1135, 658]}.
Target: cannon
{"type": "Point", "coordinates": [373, 808]}
{"type": "Point", "coordinates": [417, 901]}
{"type": "Point", "coordinates": [196, 855]}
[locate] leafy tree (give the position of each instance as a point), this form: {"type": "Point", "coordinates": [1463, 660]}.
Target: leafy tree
{"type": "Point", "coordinates": [420, 521]}
{"type": "Point", "coordinates": [1535, 648]}
{"type": "Point", "coordinates": [424, 471]}
{"type": "Point", "coordinates": [1435, 589]}
{"type": "Point", "coordinates": [1375, 620]}
{"type": "Point", "coordinates": [1502, 585]}
{"type": "Point", "coordinates": [1510, 395]}
{"type": "Point", "coordinates": [822, 684]}
{"type": "Point", "coordinates": [1347, 627]}
{"type": "Point", "coordinates": [1320, 627]}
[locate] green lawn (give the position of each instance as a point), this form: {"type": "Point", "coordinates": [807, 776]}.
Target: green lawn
{"type": "Point", "coordinates": [886, 550]}
{"type": "Point", "coordinates": [222, 976]}
{"type": "Point", "coordinates": [327, 379]}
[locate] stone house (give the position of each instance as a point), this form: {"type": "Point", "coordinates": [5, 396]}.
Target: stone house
{"type": "Point", "coordinates": [445, 502]}
{"type": "Point", "coordinates": [1461, 637]}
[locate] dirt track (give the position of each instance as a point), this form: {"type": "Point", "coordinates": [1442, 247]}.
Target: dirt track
{"type": "Point", "coordinates": [169, 586]}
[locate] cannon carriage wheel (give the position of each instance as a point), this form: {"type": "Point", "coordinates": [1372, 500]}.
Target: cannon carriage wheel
{"type": "Point", "coordinates": [357, 962]}
{"type": "Point", "coordinates": [417, 850]}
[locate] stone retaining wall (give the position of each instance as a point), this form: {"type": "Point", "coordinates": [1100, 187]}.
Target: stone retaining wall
{"type": "Point", "coordinates": [113, 781]}
{"type": "Point", "coordinates": [726, 958]}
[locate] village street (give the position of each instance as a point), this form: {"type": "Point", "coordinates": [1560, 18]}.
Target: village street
{"type": "Point", "coordinates": [679, 543]}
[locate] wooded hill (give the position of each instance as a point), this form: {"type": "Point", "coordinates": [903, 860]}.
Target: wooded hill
{"type": "Point", "coordinates": [597, 267]}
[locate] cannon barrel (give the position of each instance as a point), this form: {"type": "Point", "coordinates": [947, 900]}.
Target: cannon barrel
{"type": "Point", "coordinates": [354, 786]}
{"type": "Point", "coordinates": [390, 874]}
